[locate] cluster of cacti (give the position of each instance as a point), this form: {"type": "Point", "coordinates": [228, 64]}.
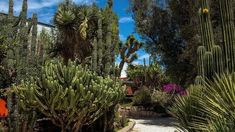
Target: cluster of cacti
{"type": "Point", "coordinates": [20, 118]}
{"type": "Point", "coordinates": [103, 54]}
{"type": "Point", "coordinates": [21, 41]}
{"type": "Point", "coordinates": [71, 96]}
{"type": "Point", "coordinates": [214, 59]}
{"type": "Point", "coordinates": [127, 51]}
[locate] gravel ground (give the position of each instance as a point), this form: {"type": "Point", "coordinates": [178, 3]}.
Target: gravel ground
{"type": "Point", "coordinates": [154, 125]}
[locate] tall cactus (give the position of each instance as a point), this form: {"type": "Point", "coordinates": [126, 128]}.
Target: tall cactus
{"type": "Point", "coordinates": [94, 55]}
{"type": "Point", "coordinates": [108, 64]}
{"type": "Point", "coordinates": [100, 43]}
{"type": "Point", "coordinates": [71, 96]}
{"type": "Point", "coordinates": [216, 59]}
{"type": "Point", "coordinates": [227, 19]}
{"type": "Point", "coordinates": [127, 51]}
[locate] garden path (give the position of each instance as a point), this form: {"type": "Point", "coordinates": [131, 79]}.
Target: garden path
{"type": "Point", "coordinates": [154, 125]}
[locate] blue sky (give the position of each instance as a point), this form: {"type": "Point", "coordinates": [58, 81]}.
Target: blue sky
{"type": "Point", "coordinates": [46, 9]}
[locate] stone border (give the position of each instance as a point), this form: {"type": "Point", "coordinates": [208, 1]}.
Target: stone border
{"type": "Point", "coordinates": [128, 128]}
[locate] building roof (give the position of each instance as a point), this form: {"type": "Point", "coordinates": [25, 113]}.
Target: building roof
{"type": "Point", "coordinates": [39, 23]}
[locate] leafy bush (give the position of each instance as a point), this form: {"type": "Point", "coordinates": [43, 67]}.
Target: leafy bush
{"type": "Point", "coordinates": [71, 96]}
{"type": "Point", "coordinates": [208, 108]}
{"type": "Point", "coordinates": [151, 76]}
{"type": "Point", "coordinates": [161, 98]}
{"type": "Point", "coordinates": [142, 97]}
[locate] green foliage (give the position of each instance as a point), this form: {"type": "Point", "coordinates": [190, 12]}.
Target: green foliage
{"type": "Point", "coordinates": [142, 97]}
{"type": "Point", "coordinates": [185, 107]}
{"type": "Point", "coordinates": [152, 75]}
{"type": "Point", "coordinates": [18, 40]}
{"type": "Point", "coordinates": [71, 96]}
{"type": "Point", "coordinates": [167, 37]}
{"type": "Point", "coordinates": [208, 108]}
{"type": "Point", "coordinates": [214, 58]}
{"type": "Point", "coordinates": [162, 98]}
{"type": "Point", "coordinates": [20, 118]}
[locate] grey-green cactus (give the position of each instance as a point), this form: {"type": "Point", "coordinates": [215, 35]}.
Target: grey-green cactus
{"type": "Point", "coordinates": [94, 55]}
{"type": "Point", "coordinates": [213, 59]}
{"type": "Point", "coordinates": [21, 40]}
{"type": "Point", "coordinates": [100, 44]}
{"type": "Point", "coordinates": [71, 96]}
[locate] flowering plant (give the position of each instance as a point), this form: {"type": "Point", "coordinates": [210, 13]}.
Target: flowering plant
{"type": "Point", "coordinates": [173, 89]}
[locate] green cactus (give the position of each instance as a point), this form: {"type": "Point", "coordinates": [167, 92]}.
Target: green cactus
{"type": "Point", "coordinates": [71, 96]}
{"type": "Point", "coordinates": [212, 59]}
{"type": "Point", "coordinates": [34, 34]}
{"type": "Point", "coordinates": [127, 51]}
{"type": "Point", "coordinates": [201, 52]}
{"type": "Point", "coordinates": [108, 50]}
{"type": "Point", "coordinates": [100, 44]}
{"type": "Point", "coordinates": [94, 56]}
{"type": "Point", "coordinates": [218, 64]}
{"type": "Point", "coordinates": [227, 19]}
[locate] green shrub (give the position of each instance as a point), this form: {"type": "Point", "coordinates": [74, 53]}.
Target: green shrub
{"type": "Point", "coordinates": [69, 95]}
{"type": "Point", "coordinates": [142, 97]}
{"type": "Point", "coordinates": [161, 101]}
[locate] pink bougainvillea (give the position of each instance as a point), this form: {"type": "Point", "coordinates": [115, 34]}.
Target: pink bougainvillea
{"type": "Point", "coordinates": [173, 89]}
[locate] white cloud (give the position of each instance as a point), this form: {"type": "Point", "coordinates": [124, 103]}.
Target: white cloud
{"type": "Point", "coordinates": [135, 63]}
{"type": "Point", "coordinates": [145, 56]}
{"type": "Point", "coordinates": [122, 37]}
{"type": "Point", "coordinates": [125, 20]}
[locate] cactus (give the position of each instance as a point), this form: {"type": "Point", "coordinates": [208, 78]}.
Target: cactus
{"type": "Point", "coordinates": [108, 50]}
{"type": "Point", "coordinates": [212, 59]}
{"type": "Point", "coordinates": [100, 44]}
{"type": "Point", "coordinates": [227, 18]}
{"type": "Point", "coordinates": [94, 56]}
{"type": "Point", "coordinates": [127, 51]}
{"type": "Point", "coordinates": [71, 96]}
{"type": "Point", "coordinates": [218, 64]}
{"type": "Point", "coordinates": [20, 119]}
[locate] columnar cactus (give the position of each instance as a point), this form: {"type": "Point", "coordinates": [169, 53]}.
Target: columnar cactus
{"type": "Point", "coordinates": [71, 96]}
{"type": "Point", "coordinates": [100, 44]}
{"type": "Point", "coordinates": [34, 34]}
{"type": "Point", "coordinates": [127, 51]}
{"type": "Point", "coordinates": [108, 46]}
{"type": "Point", "coordinates": [94, 55]}
{"type": "Point", "coordinates": [211, 59]}
{"type": "Point", "coordinates": [227, 19]}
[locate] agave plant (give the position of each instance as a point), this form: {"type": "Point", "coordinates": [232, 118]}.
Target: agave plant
{"type": "Point", "coordinates": [183, 109]}
{"type": "Point", "coordinates": [209, 108]}
{"type": "Point", "coordinates": [218, 105]}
